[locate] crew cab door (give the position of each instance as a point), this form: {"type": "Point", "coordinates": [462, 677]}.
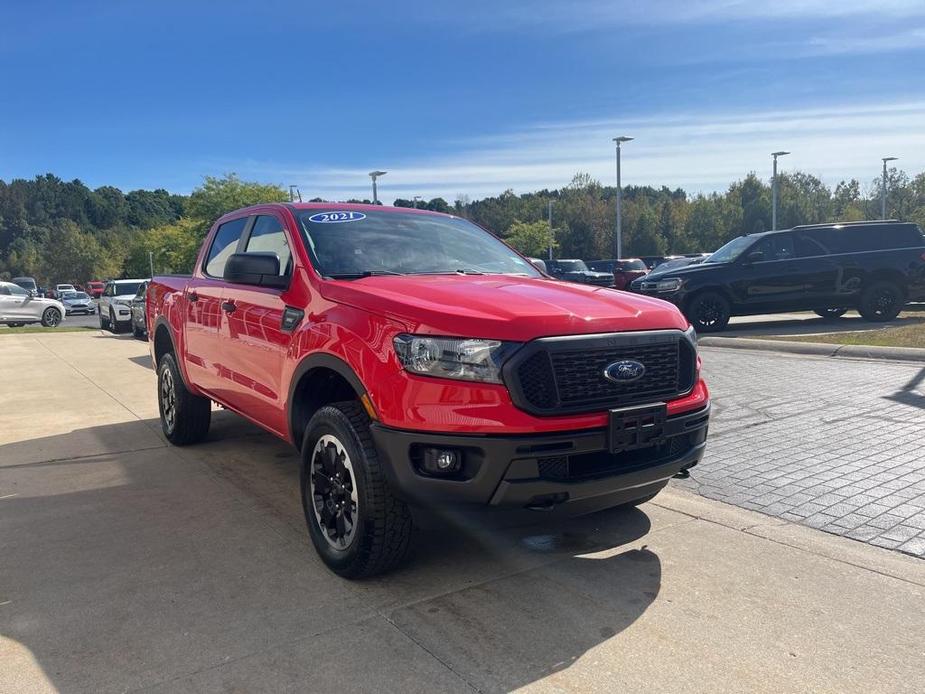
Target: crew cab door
{"type": "Point", "coordinates": [205, 350]}
{"type": "Point", "coordinates": [258, 326]}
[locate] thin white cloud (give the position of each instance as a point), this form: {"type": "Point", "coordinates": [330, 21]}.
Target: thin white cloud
{"type": "Point", "coordinates": [700, 152]}
{"type": "Point", "coordinates": [583, 15]}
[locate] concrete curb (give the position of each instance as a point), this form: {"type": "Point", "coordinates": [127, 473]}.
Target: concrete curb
{"type": "Point", "coordinates": [913, 354]}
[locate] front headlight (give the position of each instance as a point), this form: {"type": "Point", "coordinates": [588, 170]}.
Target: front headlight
{"type": "Point", "coordinates": [671, 285]}
{"type": "Point", "coordinates": [460, 358]}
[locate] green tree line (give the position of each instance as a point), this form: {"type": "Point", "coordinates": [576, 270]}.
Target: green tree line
{"type": "Point", "coordinates": [657, 221]}
{"type": "Point", "coordinates": [58, 231]}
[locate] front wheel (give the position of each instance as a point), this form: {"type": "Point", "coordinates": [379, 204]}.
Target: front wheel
{"type": "Point", "coordinates": [708, 312]}
{"type": "Point", "coordinates": [185, 417]}
{"type": "Point", "coordinates": [358, 527]}
{"type": "Point", "coordinates": [51, 317]}
{"type": "Point", "coordinates": [881, 301]}
{"type": "Point", "coordinates": [830, 313]}
{"type": "Point", "coordinates": [103, 324]}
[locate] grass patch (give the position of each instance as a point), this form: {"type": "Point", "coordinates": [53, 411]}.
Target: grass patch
{"type": "Point", "coordinates": [909, 335]}
{"type": "Point", "coordinates": [26, 329]}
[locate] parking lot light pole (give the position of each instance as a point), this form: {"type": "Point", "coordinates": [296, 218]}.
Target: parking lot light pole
{"type": "Point", "coordinates": [883, 187]}
{"type": "Point", "coordinates": [549, 218]}
{"type": "Point", "coordinates": [374, 175]}
{"type": "Point", "coordinates": [151, 262]}
{"type": "Point", "coordinates": [618, 241]}
{"type": "Point", "coordinates": [414, 201]}
{"type": "Point", "coordinates": [774, 190]}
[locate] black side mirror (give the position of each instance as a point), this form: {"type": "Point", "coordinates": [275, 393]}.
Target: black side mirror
{"type": "Point", "coordinates": [258, 269]}
{"type": "Point", "coordinates": [755, 257]}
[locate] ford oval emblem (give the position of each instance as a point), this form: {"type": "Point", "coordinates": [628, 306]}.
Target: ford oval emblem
{"type": "Point", "coordinates": [625, 371]}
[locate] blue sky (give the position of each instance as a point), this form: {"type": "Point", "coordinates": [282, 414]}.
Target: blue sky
{"type": "Point", "coordinates": [458, 97]}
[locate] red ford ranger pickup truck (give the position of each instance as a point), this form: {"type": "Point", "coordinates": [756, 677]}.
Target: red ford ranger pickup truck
{"type": "Point", "coordinates": [414, 359]}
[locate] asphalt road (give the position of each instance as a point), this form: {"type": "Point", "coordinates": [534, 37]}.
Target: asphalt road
{"type": "Point", "coordinates": [127, 564]}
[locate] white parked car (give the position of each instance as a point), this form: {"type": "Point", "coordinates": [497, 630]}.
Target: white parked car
{"type": "Point", "coordinates": [115, 307]}
{"type": "Point", "coordinates": [61, 288]}
{"type": "Point", "coordinates": [19, 306]}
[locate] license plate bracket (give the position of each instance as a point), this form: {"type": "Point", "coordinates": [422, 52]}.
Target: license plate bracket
{"type": "Point", "coordinates": [637, 427]}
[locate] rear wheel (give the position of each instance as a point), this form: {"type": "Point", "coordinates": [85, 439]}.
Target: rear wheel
{"type": "Point", "coordinates": [185, 417]}
{"type": "Point", "coordinates": [881, 301]}
{"type": "Point", "coordinates": [358, 527]}
{"type": "Point", "coordinates": [830, 313]}
{"type": "Point", "coordinates": [51, 317]}
{"type": "Point", "coordinates": [708, 312]}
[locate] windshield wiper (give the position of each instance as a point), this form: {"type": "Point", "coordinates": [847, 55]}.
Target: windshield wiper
{"type": "Point", "coordinates": [361, 275]}
{"type": "Point", "coordinates": [465, 271]}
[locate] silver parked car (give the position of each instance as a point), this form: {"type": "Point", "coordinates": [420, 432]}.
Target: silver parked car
{"type": "Point", "coordinates": [77, 302]}
{"type": "Point", "coordinates": [19, 306]}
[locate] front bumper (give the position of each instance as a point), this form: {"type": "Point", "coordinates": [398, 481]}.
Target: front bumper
{"type": "Point", "coordinates": [574, 469]}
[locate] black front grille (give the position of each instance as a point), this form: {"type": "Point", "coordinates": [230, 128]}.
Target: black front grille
{"type": "Point", "coordinates": [556, 376]}
{"type": "Point", "coordinates": [580, 373]}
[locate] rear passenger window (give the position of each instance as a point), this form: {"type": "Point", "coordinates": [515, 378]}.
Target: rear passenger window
{"type": "Point", "coordinates": [808, 247]}
{"type": "Point", "coordinates": [268, 236]}
{"type": "Point", "coordinates": [223, 245]}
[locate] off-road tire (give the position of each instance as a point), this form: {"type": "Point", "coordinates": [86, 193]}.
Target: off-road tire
{"type": "Point", "coordinates": [708, 312]}
{"type": "Point", "coordinates": [191, 414]}
{"type": "Point", "coordinates": [382, 534]}
{"type": "Point", "coordinates": [51, 317]}
{"type": "Point", "coordinates": [830, 313]}
{"type": "Point", "coordinates": [881, 301]}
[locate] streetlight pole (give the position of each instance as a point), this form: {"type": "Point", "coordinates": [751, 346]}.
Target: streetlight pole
{"type": "Point", "coordinates": [549, 218]}
{"type": "Point", "coordinates": [374, 175]}
{"type": "Point", "coordinates": [883, 187]}
{"type": "Point", "coordinates": [775, 155]}
{"type": "Point", "coordinates": [151, 262]}
{"type": "Point", "coordinates": [618, 241]}
{"type": "Point", "coordinates": [414, 201]}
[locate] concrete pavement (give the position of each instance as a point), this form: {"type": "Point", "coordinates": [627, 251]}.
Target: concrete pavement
{"type": "Point", "coordinates": [130, 565]}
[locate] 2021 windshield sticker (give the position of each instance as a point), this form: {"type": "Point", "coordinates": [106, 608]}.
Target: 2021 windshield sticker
{"type": "Point", "coordinates": [336, 217]}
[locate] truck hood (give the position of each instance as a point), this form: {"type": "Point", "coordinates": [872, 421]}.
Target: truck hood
{"type": "Point", "coordinates": [502, 307]}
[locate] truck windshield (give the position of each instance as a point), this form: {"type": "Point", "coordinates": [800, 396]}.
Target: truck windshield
{"type": "Point", "coordinates": [349, 244]}
{"type": "Point", "coordinates": [571, 265]}
{"type": "Point", "coordinates": [732, 250]}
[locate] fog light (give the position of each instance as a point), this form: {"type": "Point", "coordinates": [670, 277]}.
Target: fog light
{"type": "Point", "coordinates": [442, 461]}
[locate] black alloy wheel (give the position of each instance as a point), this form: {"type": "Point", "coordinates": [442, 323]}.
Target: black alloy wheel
{"type": "Point", "coordinates": [881, 301]}
{"type": "Point", "coordinates": [333, 492]}
{"type": "Point", "coordinates": [708, 312]}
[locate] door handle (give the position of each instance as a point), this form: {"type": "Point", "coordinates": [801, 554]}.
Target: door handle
{"type": "Point", "coordinates": [192, 296]}
{"type": "Point", "coordinates": [228, 306]}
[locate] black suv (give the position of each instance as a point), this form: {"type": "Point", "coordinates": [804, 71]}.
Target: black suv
{"type": "Point", "coordinates": [874, 267]}
{"type": "Point", "coordinates": [575, 270]}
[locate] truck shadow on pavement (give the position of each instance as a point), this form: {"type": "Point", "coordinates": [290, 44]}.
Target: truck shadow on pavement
{"type": "Point", "coordinates": [128, 563]}
{"type": "Point", "coordinates": [909, 394]}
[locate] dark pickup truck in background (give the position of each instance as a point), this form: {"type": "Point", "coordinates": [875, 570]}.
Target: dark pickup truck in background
{"type": "Point", "coordinates": [874, 267]}
{"type": "Point", "coordinates": [575, 270]}
{"type": "Point", "coordinates": [415, 360]}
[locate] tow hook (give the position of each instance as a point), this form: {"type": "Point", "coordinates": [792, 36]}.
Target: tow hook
{"type": "Point", "coordinates": [547, 502]}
